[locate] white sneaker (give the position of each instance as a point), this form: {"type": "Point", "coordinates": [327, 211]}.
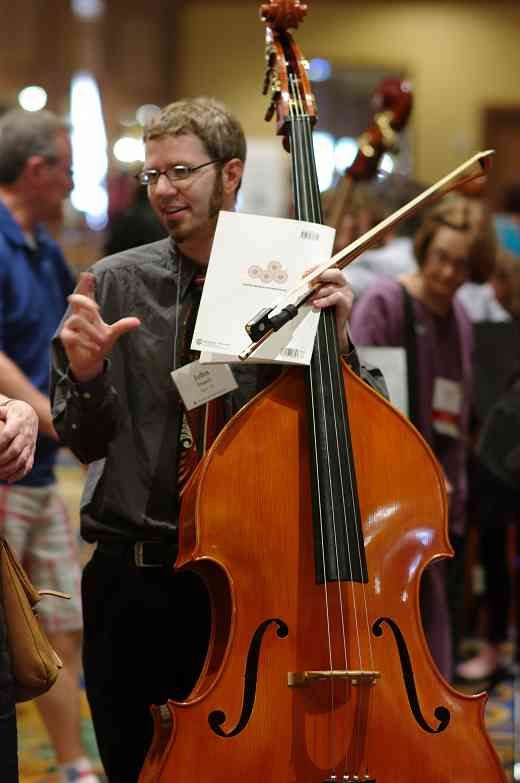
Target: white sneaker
{"type": "Point", "coordinates": [480, 666]}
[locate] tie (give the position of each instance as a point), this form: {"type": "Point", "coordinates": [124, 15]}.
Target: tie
{"type": "Point", "coordinates": [201, 425]}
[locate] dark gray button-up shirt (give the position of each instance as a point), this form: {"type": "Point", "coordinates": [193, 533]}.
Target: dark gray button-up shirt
{"type": "Point", "coordinates": [126, 422]}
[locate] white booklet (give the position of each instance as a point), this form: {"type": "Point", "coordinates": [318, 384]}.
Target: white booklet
{"type": "Point", "coordinates": [255, 261]}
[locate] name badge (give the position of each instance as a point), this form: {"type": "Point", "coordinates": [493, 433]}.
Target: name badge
{"type": "Point", "coordinates": [199, 383]}
{"type": "Point", "coordinates": [447, 405]}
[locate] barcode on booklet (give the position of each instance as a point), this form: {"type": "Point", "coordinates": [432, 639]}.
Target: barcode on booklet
{"type": "Point", "coordinates": [294, 353]}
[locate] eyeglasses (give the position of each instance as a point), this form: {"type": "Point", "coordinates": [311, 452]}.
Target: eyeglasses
{"type": "Point", "coordinates": [173, 173]}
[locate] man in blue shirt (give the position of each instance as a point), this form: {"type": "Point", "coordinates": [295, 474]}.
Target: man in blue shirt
{"type": "Point", "coordinates": [35, 179]}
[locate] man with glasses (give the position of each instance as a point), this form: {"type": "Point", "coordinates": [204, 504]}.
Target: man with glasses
{"type": "Point", "coordinates": [35, 180]}
{"type": "Point", "coordinates": [129, 324]}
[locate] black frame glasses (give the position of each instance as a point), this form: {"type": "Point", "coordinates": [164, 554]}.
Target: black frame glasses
{"type": "Point", "coordinates": [179, 172]}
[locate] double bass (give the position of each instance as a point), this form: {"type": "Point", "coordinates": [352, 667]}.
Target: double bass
{"type": "Point", "coordinates": [393, 101]}
{"type": "Point", "coordinates": [311, 520]}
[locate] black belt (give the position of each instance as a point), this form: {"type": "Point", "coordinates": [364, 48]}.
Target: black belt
{"type": "Point", "coordinates": [144, 554]}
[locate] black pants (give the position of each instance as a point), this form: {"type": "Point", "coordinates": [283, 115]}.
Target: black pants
{"type": "Point", "coordinates": [496, 505]}
{"type": "Point", "coordinates": [145, 640]}
{"type": "Point", "coordinates": [455, 571]}
{"type": "Point", "coordinates": [494, 559]}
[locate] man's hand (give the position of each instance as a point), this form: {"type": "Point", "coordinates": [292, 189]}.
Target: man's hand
{"type": "Point", "coordinates": [18, 432]}
{"type": "Point", "coordinates": [335, 291]}
{"type": "Point", "coordinates": [87, 339]}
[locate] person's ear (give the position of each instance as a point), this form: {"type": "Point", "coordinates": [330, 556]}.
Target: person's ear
{"type": "Point", "coordinates": [232, 175]}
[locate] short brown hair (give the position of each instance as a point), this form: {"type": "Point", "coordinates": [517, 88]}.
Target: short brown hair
{"type": "Point", "coordinates": [206, 118]}
{"type": "Point", "coordinates": [457, 212]}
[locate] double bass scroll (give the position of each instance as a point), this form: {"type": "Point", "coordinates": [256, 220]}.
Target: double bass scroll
{"type": "Point", "coordinates": [311, 536]}
{"type": "Point", "coordinates": [392, 101]}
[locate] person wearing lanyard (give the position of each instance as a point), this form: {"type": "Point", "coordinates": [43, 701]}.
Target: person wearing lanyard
{"type": "Point", "coordinates": [419, 311]}
{"type": "Point", "coordinates": [128, 326]}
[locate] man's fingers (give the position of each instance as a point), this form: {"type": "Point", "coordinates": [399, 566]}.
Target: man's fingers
{"type": "Point", "coordinates": [83, 296]}
{"type": "Point", "coordinates": [11, 447]}
{"type": "Point", "coordinates": [18, 467]}
{"type": "Point", "coordinates": [82, 303]}
{"type": "Point", "coordinates": [5, 442]}
{"type": "Point", "coordinates": [324, 300]}
{"type": "Point", "coordinates": [124, 325]}
{"type": "Point", "coordinates": [86, 285]}
{"type": "Point", "coordinates": [332, 275]}
{"type": "Point", "coordinates": [78, 325]}
{"type": "Point", "coordinates": [73, 340]}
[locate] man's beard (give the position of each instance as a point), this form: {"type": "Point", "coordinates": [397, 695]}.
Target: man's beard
{"type": "Point", "coordinates": [215, 205]}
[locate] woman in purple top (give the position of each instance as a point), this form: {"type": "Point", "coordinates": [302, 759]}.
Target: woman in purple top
{"type": "Point", "coordinates": [419, 312]}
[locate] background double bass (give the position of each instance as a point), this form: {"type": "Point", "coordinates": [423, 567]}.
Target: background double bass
{"type": "Point", "coordinates": [392, 101]}
{"type": "Point", "coordinates": [311, 520]}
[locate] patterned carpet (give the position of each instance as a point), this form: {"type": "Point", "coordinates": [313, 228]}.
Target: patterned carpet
{"type": "Point", "coordinates": [36, 756]}
{"type": "Point", "coordinates": [37, 762]}
{"type": "Point", "coordinates": [499, 722]}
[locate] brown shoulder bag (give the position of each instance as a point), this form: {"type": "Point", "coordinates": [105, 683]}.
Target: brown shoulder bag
{"type": "Point", "coordinates": [34, 663]}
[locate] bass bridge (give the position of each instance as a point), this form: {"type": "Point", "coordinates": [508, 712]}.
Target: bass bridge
{"type": "Point", "coordinates": [299, 679]}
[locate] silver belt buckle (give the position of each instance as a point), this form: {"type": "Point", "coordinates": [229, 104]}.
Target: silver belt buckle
{"type": "Point", "coordinates": [138, 556]}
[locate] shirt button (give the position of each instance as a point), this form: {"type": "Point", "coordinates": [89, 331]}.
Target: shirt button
{"type": "Point", "coordinates": [86, 395]}
{"type": "Point", "coordinates": [74, 426]}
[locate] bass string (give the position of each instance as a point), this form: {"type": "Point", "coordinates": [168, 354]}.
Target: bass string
{"type": "Point", "coordinates": [303, 208]}
{"type": "Point", "coordinates": [329, 373]}
{"type": "Point", "coordinates": [302, 146]}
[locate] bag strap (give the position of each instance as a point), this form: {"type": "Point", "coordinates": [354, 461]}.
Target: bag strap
{"type": "Point", "coordinates": [32, 593]}
{"type": "Point", "coordinates": [410, 346]}
{"type": "Point", "coordinates": [11, 562]}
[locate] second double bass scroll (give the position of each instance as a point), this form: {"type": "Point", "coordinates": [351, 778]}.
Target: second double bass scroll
{"type": "Point", "coordinates": [393, 101]}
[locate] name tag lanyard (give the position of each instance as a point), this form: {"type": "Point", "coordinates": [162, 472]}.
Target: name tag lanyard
{"type": "Point", "coordinates": [204, 415]}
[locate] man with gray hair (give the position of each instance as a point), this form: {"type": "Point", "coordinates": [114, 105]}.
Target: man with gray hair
{"type": "Point", "coordinates": [35, 180]}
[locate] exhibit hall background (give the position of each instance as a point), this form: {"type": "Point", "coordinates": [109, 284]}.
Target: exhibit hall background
{"type": "Point", "coordinates": [461, 57]}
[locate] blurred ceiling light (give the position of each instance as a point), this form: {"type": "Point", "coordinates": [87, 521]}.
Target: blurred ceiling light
{"type": "Point", "coordinates": [89, 150]}
{"type": "Point", "coordinates": [345, 152]}
{"type": "Point", "coordinates": [324, 154]}
{"type": "Point", "coordinates": [127, 119]}
{"type": "Point", "coordinates": [32, 98]}
{"type": "Point", "coordinates": [88, 9]}
{"type": "Point", "coordinates": [319, 70]}
{"type": "Point", "coordinates": [146, 112]}
{"type": "Point", "coordinates": [387, 164]}
{"type": "Point", "coordinates": [129, 150]}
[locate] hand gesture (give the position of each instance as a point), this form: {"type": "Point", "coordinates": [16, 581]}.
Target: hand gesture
{"type": "Point", "coordinates": [86, 338]}
{"type": "Point", "coordinates": [18, 432]}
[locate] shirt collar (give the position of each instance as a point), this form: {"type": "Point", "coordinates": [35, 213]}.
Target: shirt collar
{"type": "Point", "coordinates": [188, 268]}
